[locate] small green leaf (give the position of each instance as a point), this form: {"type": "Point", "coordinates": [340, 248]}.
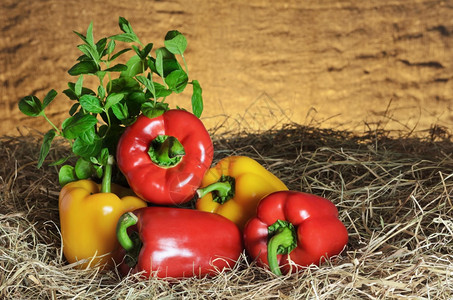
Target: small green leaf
{"type": "Point", "coordinates": [119, 53]}
{"type": "Point", "coordinates": [91, 104]}
{"type": "Point", "coordinates": [86, 149]}
{"type": "Point", "coordinates": [197, 99]}
{"type": "Point", "coordinates": [117, 68]}
{"type": "Point", "coordinates": [175, 42]}
{"type": "Point", "coordinates": [90, 51]}
{"type": "Point", "coordinates": [89, 37]}
{"type": "Point", "coordinates": [177, 81]}
{"type": "Point", "coordinates": [100, 47]}
{"type": "Point", "coordinates": [101, 92]}
{"type": "Point", "coordinates": [83, 168]}
{"type": "Point", "coordinates": [78, 86]}
{"type": "Point", "coordinates": [147, 50]}
{"type": "Point", "coordinates": [148, 83]}
{"type": "Point", "coordinates": [125, 37]}
{"type": "Point", "coordinates": [135, 65]}
{"type": "Point", "coordinates": [104, 157]}
{"type": "Point", "coordinates": [76, 125]}
{"type": "Point", "coordinates": [111, 47]}
{"type": "Point", "coordinates": [160, 62]}
{"type": "Point", "coordinates": [113, 99]}
{"type": "Point", "coordinates": [45, 147]}
{"type": "Point", "coordinates": [120, 111]}
{"type": "Point", "coordinates": [66, 175]}
{"type": "Point", "coordinates": [161, 91]}
{"type": "Point", "coordinates": [83, 67]}
{"type": "Point", "coordinates": [125, 26]}
{"type": "Point", "coordinates": [30, 106]}
{"type": "Point", "coordinates": [152, 109]}
{"type": "Point", "coordinates": [74, 108]}
{"type": "Point", "coordinates": [59, 161]}
{"type": "Point", "coordinates": [81, 36]}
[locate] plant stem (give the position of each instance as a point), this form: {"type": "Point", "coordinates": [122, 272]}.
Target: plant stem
{"type": "Point", "coordinates": [106, 186]}
{"type": "Point", "coordinates": [283, 238]}
{"type": "Point", "coordinates": [126, 220]}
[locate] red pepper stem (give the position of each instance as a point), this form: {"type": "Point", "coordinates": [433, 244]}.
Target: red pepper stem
{"type": "Point", "coordinates": [284, 238]}
{"type": "Point", "coordinates": [166, 150]}
{"type": "Point", "coordinates": [222, 188]}
{"type": "Point", "coordinates": [106, 186]}
{"type": "Point", "coordinates": [125, 221]}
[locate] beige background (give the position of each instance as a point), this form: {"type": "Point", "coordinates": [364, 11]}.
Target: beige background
{"type": "Point", "coordinates": [342, 64]}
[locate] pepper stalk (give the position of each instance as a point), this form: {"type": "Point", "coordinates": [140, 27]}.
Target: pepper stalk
{"type": "Point", "coordinates": [283, 241]}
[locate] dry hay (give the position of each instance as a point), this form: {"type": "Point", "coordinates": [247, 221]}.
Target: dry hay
{"type": "Point", "coordinates": [394, 195]}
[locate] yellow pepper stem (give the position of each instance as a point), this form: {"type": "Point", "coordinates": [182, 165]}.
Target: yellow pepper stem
{"type": "Point", "coordinates": [106, 186]}
{"type": "Point", "coordinates": [223, 190]}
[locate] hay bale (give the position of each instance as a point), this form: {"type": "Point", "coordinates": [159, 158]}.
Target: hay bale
{"type": "Point", "coordinates": [394, 195]}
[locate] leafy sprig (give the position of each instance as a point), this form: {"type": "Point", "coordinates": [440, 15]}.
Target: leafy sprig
{"type": "Point", "coordinates": [98, 117]}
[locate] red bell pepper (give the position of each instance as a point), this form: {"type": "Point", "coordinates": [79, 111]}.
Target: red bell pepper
{"type": "Point", "coordinates": [294, 226]}
{"type": "Point", "coordinates": [177, 243]}
{"type": "Point", "coordinates": [165, 158]}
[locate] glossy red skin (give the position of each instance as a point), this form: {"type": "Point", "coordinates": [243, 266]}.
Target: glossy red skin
{"type": "Point", "coordinates": [181, 243]}
{"type": "Point", "coordinates": [320, 233]}
{"type": "Point", "coordinates": [160, 185]}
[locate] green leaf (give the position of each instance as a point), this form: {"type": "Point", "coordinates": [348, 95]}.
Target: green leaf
{"type": "Point", "coordinates": [148, 83]}
{"type": "Point", "coordinates": [175, 42]}
{"type": "Point", "coordinates": [90, 51]}
{"type": "Point", "coordinates": [74, 108]}
{"type": "Point", "coordinates": [125, 37]}
{"type": "Point", "coordinates": [123, 85]}
{"type": "Point", "coordinates": [91, 104]}
{"type": "Point", "coordinates": [177, 81]}
{"type": "Point", "coordinates": [125, 26]}
{"type": "Point", "coordinates": [59, 161]}
{"type": "Point", "coordinates": [197, 99]}
{"type": "Point", "coordinates": [111, 47]}
{"type": "Point", "coordinates": [66, 175]}
{"type": "Point", "coordinates": [101, 92]}
{"type": "Point", "coordinates": [30, 106]}
{"type": "Point", "coordinates": [100, 47]}
{"type": "Point", "coordinates": [81, 36]}
{"type": "Point", "coordinates": [83, 67]}
{"type": "Point", "coordinates": [147, 50]}
{"type": "Point", "coordinates": [113, 99]}
{"type": "Point", "coordinates": [135, 65]}
{"type": "Point", "coordinates": [104, 157]}
{"type": "Point", "coordinates": [120, 111]}
{"type": "Point", "coordinates": [119, 53]}
{"type": "Point", "coordinates": [160, 62]}
{"type": "Point", "coordinates": [49, 98]}
{"type": "Point", "coordinates": [161, 91]}
{"type": "Point", "coordinates": [89, 37]}
{"type": "Point", "coordinates": [45, 147]}
{"type": "Point", "coordinates": [84, 148]}
{"type": "Point", "coordinates": [117, 68]}
{"type": "Point", "coordinates": [76, 125]}
{"type": "Point", "coordinates": [154, 109]}
{"type": "Point", "coordinates": [78, 86]}
{"type": "Point", "coordinates": [83, 168]}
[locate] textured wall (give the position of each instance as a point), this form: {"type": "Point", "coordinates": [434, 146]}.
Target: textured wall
{"type": "Point", "coordinates": [327, 63]}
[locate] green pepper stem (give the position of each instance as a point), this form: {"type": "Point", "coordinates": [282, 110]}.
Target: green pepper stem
{"type": "Point", "coordinates": [106, 186]}
{"type": "Point", "coordinates": [166, 151]}
{"type": "Point", "coordinates": [284, 238]}
{"type": "Point", "coordinates": [222, 188]}
{"type": "Point", "coordinates": [125, 221]}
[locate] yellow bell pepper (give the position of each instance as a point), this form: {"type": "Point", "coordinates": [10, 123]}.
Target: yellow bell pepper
{"type": "Point", "coordinates": [234, 187]}
{"type": "Point", "coordinates": [88, 219]}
